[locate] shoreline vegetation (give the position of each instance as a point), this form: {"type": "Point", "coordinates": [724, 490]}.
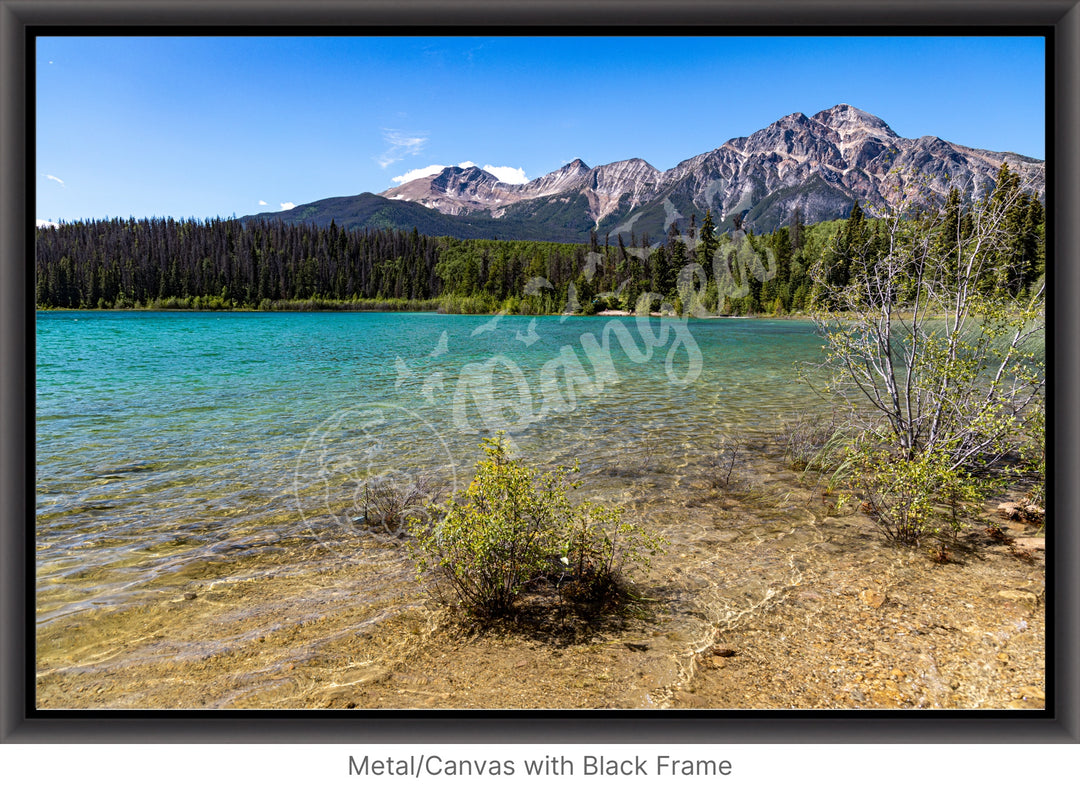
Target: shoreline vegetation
{"type": "Point", "coordinates": [384, 306]}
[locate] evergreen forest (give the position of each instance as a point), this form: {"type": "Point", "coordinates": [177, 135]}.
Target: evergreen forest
{"type": "Point", "coordinates": [264, 264]}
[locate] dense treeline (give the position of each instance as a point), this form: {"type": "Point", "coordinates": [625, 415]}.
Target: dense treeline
{"type": "Point", "coordinates": [265, 264]}
{"type": "Point", "coordinates": [223, 263]}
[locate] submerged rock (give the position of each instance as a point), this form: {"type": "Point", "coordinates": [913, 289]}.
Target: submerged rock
{"type": "Point", "coordinates": [872, 598]}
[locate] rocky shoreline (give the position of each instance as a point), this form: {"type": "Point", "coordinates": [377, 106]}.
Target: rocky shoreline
{"type": "Point", "coordinates": [853, 624]}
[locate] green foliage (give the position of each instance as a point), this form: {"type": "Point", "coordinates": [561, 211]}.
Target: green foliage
{"type": "Point", "coordinates": [514, 529]}
{"type": "Point", "coordinates": [707, 242]}
{"type": "Point", "coordinates": [913, 499]}
{"type": "Point", "coordinates": [1033, 454]}
{"type": "Point", "coordinates": [496, 538]}
{"type": "Point", "coordinates": [599, 548]}
{"type": "Point", "coordinates": [467, 304]}
{"type": "Point", "coordinates": [935, 355]}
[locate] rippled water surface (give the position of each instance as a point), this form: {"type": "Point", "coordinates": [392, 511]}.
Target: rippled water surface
{"type": "Point", "coordinates": [168, 442]}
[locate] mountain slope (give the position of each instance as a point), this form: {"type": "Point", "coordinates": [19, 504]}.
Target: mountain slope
{"type": "Point", "coordinates": [821, 164]}
{"type": "Point", "coordinates": [371, 211]}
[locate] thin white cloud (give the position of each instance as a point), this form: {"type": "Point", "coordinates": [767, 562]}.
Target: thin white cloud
{"type": "Point", "coordinates": [46, 223]}
{"type": "Point", "coordinates": [288, 206]}
{"type": "Point", "coordinates": [263, 202]}
{"type": "Point", "coordinates": [401, 146]}
{"type": "Point", "coordinates": [507, 174]}
{"type": "Point", "coordinates": [54, 177]}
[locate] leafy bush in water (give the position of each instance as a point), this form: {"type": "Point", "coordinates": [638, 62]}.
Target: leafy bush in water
{"type": "Point", "coordinates": [914, 498]}
{"type": "Point", "coordinates": [599, 547]}
{"type": "Point", "coordinates": [514, 529]}
{"type": "Point", "coordinates": [496, 537]}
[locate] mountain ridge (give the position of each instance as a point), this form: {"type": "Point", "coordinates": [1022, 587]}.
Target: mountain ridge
{"type": "Point", "coordinates": [820, 164]}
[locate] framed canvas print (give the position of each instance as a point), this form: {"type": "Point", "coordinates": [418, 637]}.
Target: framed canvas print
{"type": "Point", "coordinates": [537, 369]}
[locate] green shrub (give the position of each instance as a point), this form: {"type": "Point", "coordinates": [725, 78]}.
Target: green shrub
{"type": "Point", "coordinates": [598, 549]}
{"type": "Point", "coordinates": [514, 530]}
{"type": "Point", "coordinates": [468, 305]}
{"type": "Point", "coordinates": [496, 537]}
{"type": "Point", "coordinates": [915, 498]}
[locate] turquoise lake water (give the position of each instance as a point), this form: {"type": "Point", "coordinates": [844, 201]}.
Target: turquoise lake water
{"type": "Point", "coordinates": [165, 438]}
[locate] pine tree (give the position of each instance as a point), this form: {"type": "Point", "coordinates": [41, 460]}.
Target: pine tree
{"type": "Point", "coordinates": [797, 229]}
{"type": "Point", "coordinates": [707, 242]}
{"type": "Point", "coordinates": [676, 257]}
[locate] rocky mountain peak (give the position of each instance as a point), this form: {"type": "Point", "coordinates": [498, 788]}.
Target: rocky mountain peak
{"type": "Point", "coordinates": [621, 171]}
{"type": "Point", "coordinates": [849, 120]}
{"type": "Point", "coordinates": [792, 120]}
{"type": "Point", "coordinates": [634, 179]}
{"type": "Point", "coordinates": [456, 176]}
{"type": "Point", "coordinates": [567, 177]}
{"type": "Point", "coordinates": [576, 168]}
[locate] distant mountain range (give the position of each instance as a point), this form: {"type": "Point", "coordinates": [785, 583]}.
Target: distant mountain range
{"type": "Point", "coordinates": [821, 164]}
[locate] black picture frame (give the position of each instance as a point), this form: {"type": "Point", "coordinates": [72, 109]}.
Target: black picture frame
{"type": "Point", "coordinates": [21, 20]}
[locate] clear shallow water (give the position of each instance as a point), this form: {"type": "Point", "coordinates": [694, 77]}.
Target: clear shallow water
{"type": "Point", "coordinates": [167, 442]}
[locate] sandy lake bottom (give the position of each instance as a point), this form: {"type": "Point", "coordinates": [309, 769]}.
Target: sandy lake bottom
{"type": "Point", "coordinates": [768, 597]}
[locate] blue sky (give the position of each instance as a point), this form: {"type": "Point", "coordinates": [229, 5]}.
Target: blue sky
{"type": "Point", "coordinates": [213, 126]}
